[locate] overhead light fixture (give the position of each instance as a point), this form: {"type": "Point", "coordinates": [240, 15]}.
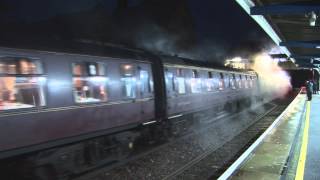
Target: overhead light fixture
{"type": "Point", "coordinates": [318, 47]}
{"type": "Point", "coordinates": [313, 18]}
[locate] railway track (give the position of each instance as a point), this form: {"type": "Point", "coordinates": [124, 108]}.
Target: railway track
{"type": "Point", "coordinates": [223, 157]}
{"type": "Point", "coordinates": [147, 150]}
{"type": "Point", "coordinates": [212, 150]}
{"type": "Point", "coordinates": [127, 169]}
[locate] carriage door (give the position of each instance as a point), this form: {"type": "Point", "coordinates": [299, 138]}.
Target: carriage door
{"type": "Point", "coordinates": [146, 89]}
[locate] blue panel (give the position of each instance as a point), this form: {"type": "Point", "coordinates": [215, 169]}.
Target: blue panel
{"type": "Point", "coordinates": [303, 44]}
{"type": "Point", "coordinates": [282, 9]}
{"type": "Point", "coordinates": [306, 56]}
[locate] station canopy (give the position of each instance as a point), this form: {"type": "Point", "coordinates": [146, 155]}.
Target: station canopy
{"type": "Point", "coordinates": [294, 25]}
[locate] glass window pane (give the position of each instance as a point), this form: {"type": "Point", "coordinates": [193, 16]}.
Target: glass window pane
{"type": "Point", "coordinates": [221, 81]}
{"type": "Point", "coordinates": [12, 66]}
{"type": "Point", "coordinates": [246, 82]}
{"type": "Point", "coordinates": [28, 66]}
{"type": "Point", "coordinates": [129, 87]}
{"type": "Point", "coordinates": [129, 81]}
{"type": "Point", "coordinates": [169, 81]}
{"type": "Point", "coordinates": [195, 85]}
{"type": "Point", "coordinates": [21, 92]}
{"type": "Point", "coordinates": [88, 85]}
{"type": "Point", "coordinates": [233, 81]}
{"type": "Point", "coordinates": [78, 69]}
{"type": "Point", "coordinates": [250, 82]}
{"type": "Point", "coordinates": [145, 81]}
{"type": "Point", "coordinates": [181, 86]}
{"type": "Point", "coordinates": [101, 69]}
{"type": "Point", "coordinates": [195, 82]}
{"type": "Point", "coordinates": [180, 72]}
{"type": "Point", "coordinates": [238, 81]}
{"type": "Point", "coordinates": [195, 74]}
{"type": "Point", "coordinates": [90, 89]}
{"type": "Point", "coordinates": [226, 81]}
{"type": "Point", "coordinates": [93, 69]}
{"type": "Point", "coordinates": [96, 69]}
{"type": "Point", "coordinates": [209, 83]}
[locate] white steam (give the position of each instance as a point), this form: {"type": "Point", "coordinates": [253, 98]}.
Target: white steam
{"type": "Point", "coordinates": [274, 81]}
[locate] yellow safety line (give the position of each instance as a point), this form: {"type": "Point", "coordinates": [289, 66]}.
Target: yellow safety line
{"type": "Point", "coordinates": [304, 146]}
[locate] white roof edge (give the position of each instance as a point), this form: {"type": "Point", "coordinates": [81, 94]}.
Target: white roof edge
{"type": "Point", "coordinates": [246, 5]}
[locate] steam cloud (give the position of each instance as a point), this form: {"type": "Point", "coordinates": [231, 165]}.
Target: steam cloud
{"type": "Point", "coordinates": [274, 81]}
{"type": "Point", "coordinates": [156, 39]}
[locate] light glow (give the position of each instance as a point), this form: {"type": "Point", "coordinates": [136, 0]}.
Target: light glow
{"type": "Point", "coordinates": [273, 79]}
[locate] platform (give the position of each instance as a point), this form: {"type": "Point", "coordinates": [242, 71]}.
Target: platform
{"type": "Point", "coordinates": [289, 149]}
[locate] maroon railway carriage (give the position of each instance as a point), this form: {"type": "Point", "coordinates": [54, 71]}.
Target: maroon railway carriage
{"type": "Point", "coordinates": [48, 99]}
{"type": "Point", "coordinates": [51, 102]}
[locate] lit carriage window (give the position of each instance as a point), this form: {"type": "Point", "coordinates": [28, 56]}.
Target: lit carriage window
{"type": "Point", "coordinates": [246, 82]}
{"type": "Point", "coordinates": [254, 81]}
{"type": "Point", "coordinates": [210, 82]}
{"type": "Point", "coordinates": [180, 86]}
{"type": "Point", "coordinates": [221, 81]}
{"type": "Point", "coordinates": [195, 82]}
{"type": "Point", "coordinates": [89, 82]}
{"type": "Point", "coordinates": [22, 83]}
{"type": "Point", "coordinates": [169, 81]}
{"type": "Point", "coordinates": [239, 81]}
{"type": "Point", "coordinates": [145, 82]}
{"type": "Point", "coordinates": [129, 81]}
{"type": "Point", "coordinates": [226, 80]}
{"type": "Point", "coordinates": [233, 81]}
{"type": "Point", "coordinates": [251, 81]}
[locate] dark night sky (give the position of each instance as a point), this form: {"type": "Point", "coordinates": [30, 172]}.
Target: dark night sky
{"type": "Point", "coordinates": [222, 24]}
{"type": "Point", "coordinates": [227, 23]}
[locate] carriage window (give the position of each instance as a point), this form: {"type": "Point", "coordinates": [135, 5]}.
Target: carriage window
{"type": "Point", "coordinates": [169, 81]}
{"type": "Point", "coordinates": [210, 82]}
{"type": "Point", "coordinates": [180, 87]}
{"type": "Point", "coordinates": [89, 82]}
{"type": "Point", "coordinates": [252, 79]}
{"type": "Point", "coordinates": [221, 81]}
{"type": "Point", "coordinates": [195, 82]}
{"type": "Point", "coordinates": [88, 69]}
{"type": "Point", "coordinates": [226, 81]}
{"type": "Point", "coordinates": [233, 81]}
{"type": "Point", "coordinates": [128, 80]}
{"type": "Point", "coordinates": [145, 82]}
{"type": "Point", "coordinates": [246, 81]}
{"type": "Point", "coordinates": [240, 81]}
{"type": "Point", "coordinates": [21, 83]}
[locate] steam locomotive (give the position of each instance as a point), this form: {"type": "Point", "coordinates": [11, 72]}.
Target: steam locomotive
{"type": "Point", "coordinates": [73, 109]}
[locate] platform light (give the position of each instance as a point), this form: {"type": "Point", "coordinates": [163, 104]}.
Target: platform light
{"type": "Point", "coordinates": [237, 63]}
{"type": "Point", "coordinates": [292, 60]}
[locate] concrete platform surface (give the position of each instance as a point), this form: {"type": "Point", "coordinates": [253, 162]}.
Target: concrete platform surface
{"type": "Point", "coordinates": [269, 159]}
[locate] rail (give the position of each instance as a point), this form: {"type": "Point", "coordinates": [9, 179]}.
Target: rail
{"type": "Point", "coordinates": [229, 172]}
